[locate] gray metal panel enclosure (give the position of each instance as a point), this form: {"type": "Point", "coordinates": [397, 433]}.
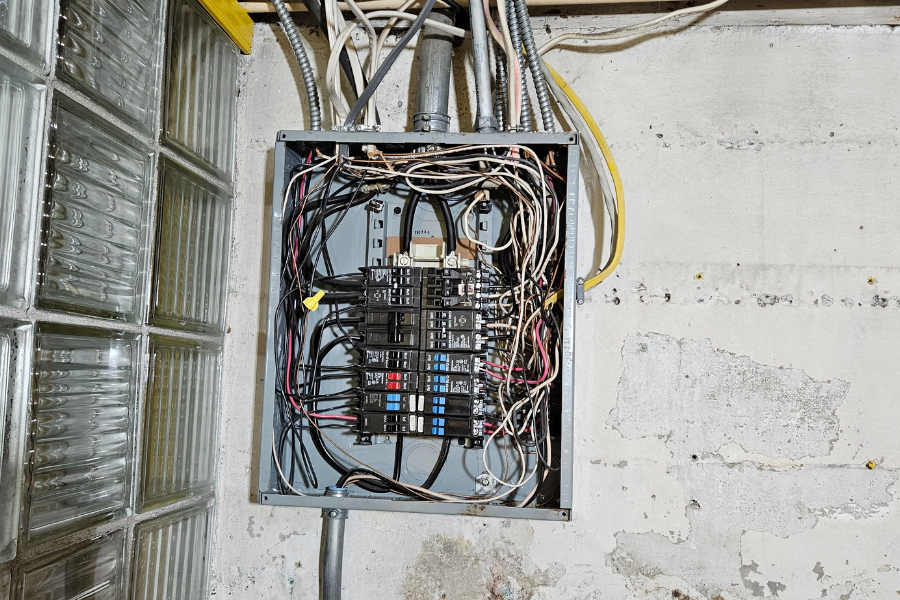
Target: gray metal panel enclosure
{"type": "Point", "coordinates": [358, 248]}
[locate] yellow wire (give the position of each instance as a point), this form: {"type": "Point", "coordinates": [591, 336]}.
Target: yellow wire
{"type": "Point", "coordinates": [617, 182]}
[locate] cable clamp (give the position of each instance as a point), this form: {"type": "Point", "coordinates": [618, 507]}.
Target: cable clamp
{"type": "Point", "coordinates": [579, 290]}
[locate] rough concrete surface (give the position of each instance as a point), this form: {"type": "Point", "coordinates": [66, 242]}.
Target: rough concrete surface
{"type": "Point", "coordinates": [734, 377]}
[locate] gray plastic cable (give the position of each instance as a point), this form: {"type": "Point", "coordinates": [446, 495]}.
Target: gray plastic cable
{"type": "Point", "coordinates": [501, 100]}
{"type": "Point", "coordinates": [309, 78]}
{"type": "Point", "coordinates": [534, 64]}
{"type": "Point", "coordinates": [516, 38]}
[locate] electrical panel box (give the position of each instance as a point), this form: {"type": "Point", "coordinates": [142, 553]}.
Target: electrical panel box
{"type": "Point", "coordinates": [388, 331]}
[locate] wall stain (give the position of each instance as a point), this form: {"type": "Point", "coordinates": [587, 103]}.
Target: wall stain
{"type": "Point", "coordinates": [456, 568]}
{"type": "Point", "coordinates": [703, 398]}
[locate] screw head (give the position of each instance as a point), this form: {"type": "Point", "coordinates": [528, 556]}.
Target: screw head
{"type": "Point", "coordinates": [333, 513]}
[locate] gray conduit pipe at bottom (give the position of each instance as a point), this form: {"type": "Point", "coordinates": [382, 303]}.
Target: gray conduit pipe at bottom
{"type": "Point", "coordinates": [333, 546]}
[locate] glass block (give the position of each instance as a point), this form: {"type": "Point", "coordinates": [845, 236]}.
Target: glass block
{"type": "Point", "coordinates": [193, 241]}
{"type": "Point", "coordinates": [95, 236]}
{"type": "Point", "coordinates": [24, 27]}
{"type": "Point", "coordinates": [109, 49]}
{"type": "Point", "coordinates": [83, 407]}
{"type": "Point", "coordinates": [201, 88]}
{"type": "Point", "coordinates": [88, 571]}
{"type": "Point", "coordinates": [170, 556]}
{"type": "Point", "coordinates": [15, 349]}
{"type": "Point", "coordinates": [21, 126]}
{"type": "Point", "coordinates": [180, 418]}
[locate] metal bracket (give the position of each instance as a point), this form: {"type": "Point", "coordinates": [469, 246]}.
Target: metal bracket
{"type": "Point", "coordinates": [579, 290]}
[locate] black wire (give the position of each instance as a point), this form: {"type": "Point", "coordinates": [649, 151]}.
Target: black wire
{"type": "Point", "coordinates": [450, 223]}
{"type": "Point", "coordinates": [438, 465]}
{"type": "Point", "coordinates": [408, 218]}
{"type": "Point", "coordinates": [387, 64]}
{"type": "Point", "coordinates": [398, 457]}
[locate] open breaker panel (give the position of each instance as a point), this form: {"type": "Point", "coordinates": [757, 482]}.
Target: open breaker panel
{"type": "Point", "coordinates": [388, 345]}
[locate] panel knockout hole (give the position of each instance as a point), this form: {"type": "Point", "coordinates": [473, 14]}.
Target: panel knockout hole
{"type": "Point", "coordinates": [265, 498]}
{"type": "Point", "coordinates": [564, 514]}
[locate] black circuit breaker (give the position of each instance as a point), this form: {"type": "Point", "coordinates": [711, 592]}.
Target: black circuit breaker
{"type": "Point", "coordinates": [424, 336]}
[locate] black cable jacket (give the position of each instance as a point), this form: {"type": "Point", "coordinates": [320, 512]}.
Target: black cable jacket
{"type": "Point", "coordinates": [387, 64]}
{"type": "Point", "coordinates": [398, 457]}
{"type": "Point", "coordinates": [450, 223]}
{"type": "Point", "coordinates": [408, 218]}
{"type": "Point", "coordinates": [438, 465]}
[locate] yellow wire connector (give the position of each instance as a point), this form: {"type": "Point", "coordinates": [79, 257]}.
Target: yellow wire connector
{"type": "Point", "coordinates": [233, 18]}
{"type": "Point", "coordinates": [312, 303]}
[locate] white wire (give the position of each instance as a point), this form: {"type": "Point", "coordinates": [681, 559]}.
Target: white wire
{"type": "Point", "coordinates": [287, 190]}
{"type": "Point", "coordinates": [331, 76]}
{"type": "Point", "coordinates": [278, 467]}
{"type": "Point", "coordinates": [630, 30]}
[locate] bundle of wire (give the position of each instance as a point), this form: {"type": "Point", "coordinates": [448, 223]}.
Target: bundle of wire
{"type": "Point", "coordinates": [523, 340]}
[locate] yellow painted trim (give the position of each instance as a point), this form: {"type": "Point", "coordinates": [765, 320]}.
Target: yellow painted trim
{"type": "Point", "coordinates": [233, 18]}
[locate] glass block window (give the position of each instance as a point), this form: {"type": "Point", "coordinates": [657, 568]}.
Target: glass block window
{"type": "Point", "coordinates": [88, 571]}
{"type": "Point", "coordinates": [15, 339]}
{"type": "Point", "coordinates": [170, 556]}
{"type": "Point", "coordinates": [24, 26]}
{"type": "Point", "coordinates": [109, 49]}
{"type": "Point", "coordinates": [201, 88]}
{"type": "Point", "coordinates": [95, 221]}
{"type": "Point", "coordinates": [179, 420]}
{"type": "Point", "coordinates": [21, 123]}
{"type": "Point", "coordinates": [83, 406]}
{"type": "Point", "coordinates": [193, 241]}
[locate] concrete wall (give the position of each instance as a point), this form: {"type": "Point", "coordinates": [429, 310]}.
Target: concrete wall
{"type": "Point", "coordinates": [734, 377]}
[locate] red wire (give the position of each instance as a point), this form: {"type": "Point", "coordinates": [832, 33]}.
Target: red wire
{"type": "Point", "coordinates": [333, 417]}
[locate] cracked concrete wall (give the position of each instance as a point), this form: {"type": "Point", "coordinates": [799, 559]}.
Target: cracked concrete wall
{"type": "Point", "coordinates": [736, 380]}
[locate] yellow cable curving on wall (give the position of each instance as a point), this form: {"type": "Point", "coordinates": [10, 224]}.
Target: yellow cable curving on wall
{"type": "Point", "coordinates": [233, 18]}
{"type": "Point", "coordinates": [617, 183]}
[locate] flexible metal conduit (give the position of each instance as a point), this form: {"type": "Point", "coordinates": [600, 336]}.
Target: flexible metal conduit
{"type": "Point", "coordinates": [501, 101]}
{"type": "Point", "coordinates": [333, 546]}
{"type": "Point", "coordinates": [484, 119]}
{"type": "Point", "coordinates": [309, 78]}
{"type": "Point", "coordinates": [534, 64]}
{"type": "Point", "coordinates": [516, 38]}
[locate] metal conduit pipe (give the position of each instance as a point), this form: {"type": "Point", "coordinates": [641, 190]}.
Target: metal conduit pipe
{"type": "Point", "coordinates": [333, 546]}
{"type": "Point", "coordinates": [484, 119]}
{"type": "Point", "coordinates": [309, 78]}
{"type": "Point", "coordinates": [516, 38]}
{"type": "Point", "coordinates": [534, 64]}
{"type": "Point", "coordinates": [435, 49]}
{"type": "Point", "coordinates": [502, 100]}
